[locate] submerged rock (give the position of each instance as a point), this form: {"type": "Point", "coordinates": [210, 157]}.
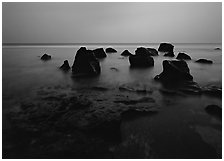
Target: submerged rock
{"type": "Point", "coordinates": [85, 63]}
{"type": "Point", "coordinates": [111, 50]}
{"type": "Point", "coordinates": [99, 53]}
{"type": "Point", "coordinates": [204, 61]}
{"type": "Point", "coordinates": [174, 70]}
{"type": "Point", "coordinates": [45, 57]}
{"type": "Point", "coordinates": [214, 110]}
{"type": "Point", "coordinates": [65, 66]}
{"type": "Point", "coordinates": [126, 53]}
{"type": "Point", "coordinates": [183, 56]}
{"type": "Point", "coordinates": [153, 52]}
{"type": "Point", "coordinates": [217, 49]}
{"type": "Point", "coordinates": [168, 48]}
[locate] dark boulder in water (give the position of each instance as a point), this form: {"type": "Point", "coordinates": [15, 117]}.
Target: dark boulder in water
{"type": "Point", "coordinates": [45, 57]}
{"type": "Point", "coordinates": [214, 110]}
{"type": "Point", "coordinates": [168, 48]}
{"type": "Point", "coordinates": [126, 53]}
{"type": "Point", "coordinates": [217, 48]}
{"type": "Point", "coordinates": [204, 61]}
{"type": "Point", "coordinates": [111, 50]}
{"type": "Point", "coordinates": [174, 70]}
{"type": "Point", "coordinates": [153, 52]}
{"type": "Point", "coordinates": [85, 63]}
{"type": "Point", "coordinates": [99, 53]}
{"type": "Point", "coordinates": [141, 51]}
{"type": "Point", "coordinates": [65, 66]}
{"type": "Point", "coordinates": [141, 61]}
{"type": "Point", "coordinates": [183, 56]}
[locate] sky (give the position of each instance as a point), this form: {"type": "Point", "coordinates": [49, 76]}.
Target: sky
{"type": "Point", "coordinates": [111, 22]}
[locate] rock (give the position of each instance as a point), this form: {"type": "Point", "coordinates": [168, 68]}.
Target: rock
{"type": "Point", "coordinates": [99, 53]}
{"type": "Point", "coordinates": [204, 61]}
{"type": "Point", "coordinates": [141, 51]}
{"type": "Point", "coordinates": [65, 66]}
{"type": "Point", "coordinates": [174, 70]}
{"type": "Point", "coordinates": [126, 53]}
{"type": "Point", "coordinates": [141, 61]}
{"type": "Point", "coordinates": [212, 90]}
{"type": "Point", "coordinates": [153, 52]}
{"type": "Point", "coordinates": [45, 57]}
{"type": "Point", "coordinates": [85, 63]}
{"type": "Point", "coordinates": [114, 69]}
{"type": "Point", "coordinates": [217, 49]}
{"type": "Point", "coordinates": [168, 48]}
{"type": "Point", "coordinates": [183, 56]}
{"type": "Point", "coordinates": [214, 110]}
{"type": "Point", "coordinates": [111, 50]}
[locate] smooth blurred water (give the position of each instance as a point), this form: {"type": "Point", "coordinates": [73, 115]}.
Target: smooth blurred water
{"type": "Point", "coordinates": [23, 70]}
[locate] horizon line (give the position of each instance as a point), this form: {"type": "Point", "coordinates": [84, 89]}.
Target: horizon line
{"type": "Point", "coordinates": [54, 44]}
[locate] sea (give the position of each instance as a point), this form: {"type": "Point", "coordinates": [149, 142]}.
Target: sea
{"type": "Point", "coordinates": [179, 118]}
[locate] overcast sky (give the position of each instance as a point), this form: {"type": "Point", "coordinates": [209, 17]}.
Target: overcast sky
{"type": "Point", "coordinates": [112, 22]}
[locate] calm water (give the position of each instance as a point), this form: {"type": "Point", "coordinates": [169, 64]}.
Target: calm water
{"type": "Point", "coordinates": [23, 72]}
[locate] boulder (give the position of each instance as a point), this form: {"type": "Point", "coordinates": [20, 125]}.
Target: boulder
{"type": "Point", "coordinates": [153, 52]}
{"type": "Point", "coordinates": [141, 51]}
{"type": "Point", "coordinates": [45, 57]}
{"type": "Point", "coordinates": [204, 61]}
{"type": "Point", "coordinates": [85, 63]}
{"type": "Point", "coordinates": [183, 56]}
{"type": "Point", "coordinates": [217, 48]}
{"type": "Point", "coordinates": [111, 50]}
{"type": "Point", "coordinates": [99, 53]}
{"type": "Point", "coordinates": [174, 70]}
{"type": "Point", "coordinates": [126, 53]}
{"type": "Point", "coordinates": [141, 61]}
{"type": "Point", "coordinates": [65, 66]}
{"type": "Point", "coordinates": [214, 110]}
{"type": "Point", "coordinates": [168, 48]}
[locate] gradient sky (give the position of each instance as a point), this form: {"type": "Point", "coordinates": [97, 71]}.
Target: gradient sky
{"type": "Point", "coordinates": [105, 22]}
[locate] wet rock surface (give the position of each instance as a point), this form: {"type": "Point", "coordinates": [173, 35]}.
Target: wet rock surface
{"type": "Point", "coordinates": [45, 57]}
{"type": "Point", "coordinates": [214, 110]}
{"type": "Point", "coordinates": [85, 63]}
{"type": "Point", "coordinates": [183, 56]}
{"type": "Point", "coordinates": [141, 61]}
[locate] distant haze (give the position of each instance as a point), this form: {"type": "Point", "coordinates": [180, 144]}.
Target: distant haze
{"type": "Point", "coordinates": [105, 22]}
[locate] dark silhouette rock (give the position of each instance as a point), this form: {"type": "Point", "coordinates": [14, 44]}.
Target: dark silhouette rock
{"type": "Point", "coordinates": [168, 48]}
{"type": "Point", "coordinates": [141, 51]}
{"type": "Point", "coordinates": [126, 53]}
{"type": "Point", "coordinates": [204, 61]}
{"type": "Point", "coordinates": [141, 61]}
{"type": "Point", "coordinates": [65, 66]}
{"type": "Point", "coordinates": [99, 53]}
{"type": "Point", "coordinates": [174, 70]}
{"type": "Point", "coordinates": [85, 63]}
{"type": "Point", "coordinates": [217, 48]}
{"type": "Point", "coordinates": [153, 52]}
{"type": "Point", "coordinates": [45, 57]}
{"type": "Point", "coordinates": [183, 56]}
{"type": "Point", "coordinates": [214, 110]}
{"type": "Point", "coordinates": [111, 50]}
